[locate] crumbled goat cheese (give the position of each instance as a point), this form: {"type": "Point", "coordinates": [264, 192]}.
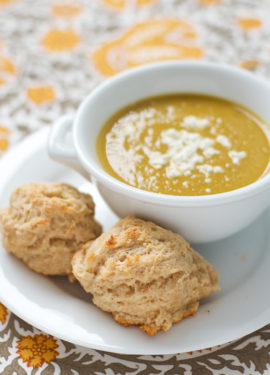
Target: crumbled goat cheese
{"type": "Point", "coordinates": [156, 159]}
{"type": "Point", "coordinates": [210, 151]}
{"type": "Point", "coordinates": [236, 156]}
{"type": "Point", "coordinates": [170, 111]}
{"type": "Point", "coordinates": [193, 122]}
{"type": "Point", "coordinates": [185, 184]}
{"type": "Point", "coordinates": [206, 169]}
{"type": "Point", "coordinates": [217, 169]}
{"type": "Point", "coordinates": [186, 150]}
{"type": "Point", "coordinates": [224, 141]}
{"type": "Point", "coordinates": [183, 152]}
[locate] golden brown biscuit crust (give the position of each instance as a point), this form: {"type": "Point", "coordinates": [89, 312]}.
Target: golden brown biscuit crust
{"type": "Point", "coordinates": [144, 274]}
{"type": "Point", "coordinates": [46, 223]}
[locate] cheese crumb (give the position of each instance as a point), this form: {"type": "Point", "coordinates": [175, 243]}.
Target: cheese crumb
{"type": "Point", "coordinates": [218, 169]}
{"type": "Point", "coordinates": [224, 141]}
{"type": "Point", "coordinates": [193, 122]}
{"type": "Point", "coordinates": [206, 169]}
{"type": "Point", "coordinates": [185, 184]}
{"type": "Point", "coordinates": [236, 156]}
{"type": "Point", "coordinates": [170, 111]}
{"type": "Point", "coordinates": [210, 151]}
{"type": "Point", "coordinates": [156, 159]}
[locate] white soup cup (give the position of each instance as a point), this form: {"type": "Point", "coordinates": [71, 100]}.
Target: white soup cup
{"type": "Point", "coordinates": [72, 142]}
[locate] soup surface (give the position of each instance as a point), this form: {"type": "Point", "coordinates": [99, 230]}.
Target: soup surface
{"type": "Point", "coordinates": [185, 145]}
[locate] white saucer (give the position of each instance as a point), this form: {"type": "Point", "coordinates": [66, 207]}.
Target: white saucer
{"type": "Point", "coordinates": [64, 310]}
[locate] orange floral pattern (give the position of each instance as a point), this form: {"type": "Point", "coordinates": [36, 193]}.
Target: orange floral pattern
{"type": "Point", "coordinates": [150, 41]}
{"type": "Point", "coordinates": [120, 4]}
{"type": "Point", "coordinates": [7, 69]}
{"type": "Point", "coordinates": [249, 64]}
{"type": "Point", "coordinates": [6, 65]}
{"type": "Point", "coordinates": [66, 10]}
{"type": "Point", "coordinates": [37, 350]}
{"type": "Point", "coordinates": [60, 40]}
{"type": "Point", "coordinates": [247, 24]}
{"type": "Point", "coordinates": [41, 94]}
{"type": "Point", "coordinates": [3, 311]}
{"type": "Point", "coordinates": [6, 2]}
{"type": "Point", "coordinates": [4, 144]}
{"type": "Point", "coordinates": [209, 2]}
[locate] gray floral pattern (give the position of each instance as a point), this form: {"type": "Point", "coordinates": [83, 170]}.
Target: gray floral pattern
{"type": "Point", "coordinates": [249, 355]}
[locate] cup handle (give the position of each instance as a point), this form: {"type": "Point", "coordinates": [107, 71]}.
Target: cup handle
{"type": "Point", "coordinates": [60, 145]}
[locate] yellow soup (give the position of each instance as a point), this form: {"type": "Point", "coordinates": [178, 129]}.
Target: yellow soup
{"type": "Point", "coordinates": [185, 145]}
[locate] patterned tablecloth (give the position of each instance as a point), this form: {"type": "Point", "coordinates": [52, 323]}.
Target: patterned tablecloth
{"type": "Point", "coordinates": [52, 53]}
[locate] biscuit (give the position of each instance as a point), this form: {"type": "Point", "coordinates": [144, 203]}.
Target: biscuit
{"type": "Point", "coordinates": [46, 223]}
{"type": "Point", "coordinates": [144, 275]}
